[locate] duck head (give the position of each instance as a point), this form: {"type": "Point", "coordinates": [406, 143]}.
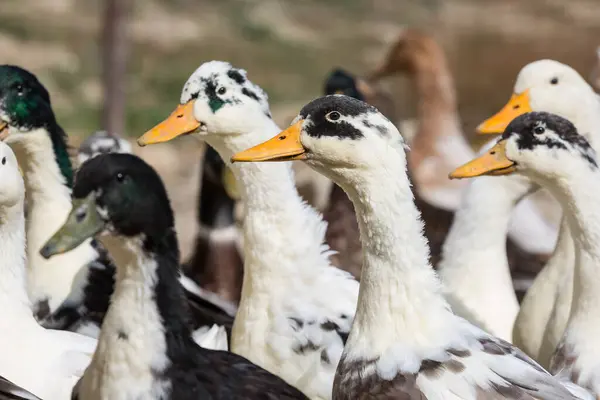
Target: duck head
{"type": "Point", "coordinates": [26, 115]}
{"type": "Point", "coordinates": [412, 52]}
{"type": "Point", "coordinates": [329, 134]}
{"type": "Point", "coordinates": [536, 144]}
{"type": "Point", "coordinates": [118, 194]}
{"type": "Point", "coordinates": [101, 142]}
{"type": "Point", "coordinates": [217, 100]}
{"type": "Point", "coordinates": [24, 104]}
{"type": "Point", "coordinates": [545, 85]}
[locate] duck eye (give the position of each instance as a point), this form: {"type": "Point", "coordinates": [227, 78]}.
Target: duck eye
{"type": "Point", "coordinates": [333, 116]}
{"type": "Point", "coordinates": [3, 160]}
{"type": "Point", "coordinates": [554, 81]}
{"type": "Point", "coordinates": [222, 90]}
{"type": "Point", "coordinates": [120, 177]}
{"type": "Point", "coordinates": [19, 89]}
{"type": "Point", "coordinates": [539, 130]}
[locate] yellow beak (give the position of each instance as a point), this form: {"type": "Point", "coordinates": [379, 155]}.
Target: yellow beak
{"type": "Point", "coordinates": [180, 122]}
{"type": "Point", "coordinates": [284, 147]}
{"type": "Point", "coordinates": [517, 105]}
{"type": "Point", "coordinates": [3, 130]}
{"type": "Point", "coordinates": [493, 162]}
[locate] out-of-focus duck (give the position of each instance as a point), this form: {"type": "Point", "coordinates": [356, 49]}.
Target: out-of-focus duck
{"type": "Point", "coordinates": [595, 75]}
{"type": "Point", "coordinates": [102, 142]}
{"type": "Point", "coordinates": [439, 144]}
{"type": "Point", "coordinates": [216, 263]}
{"type": "Point", "coordinates": [29, 126]}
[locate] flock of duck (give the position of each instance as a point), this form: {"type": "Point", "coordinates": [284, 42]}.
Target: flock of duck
{"type": "Point", "coordinates": [415, 299]}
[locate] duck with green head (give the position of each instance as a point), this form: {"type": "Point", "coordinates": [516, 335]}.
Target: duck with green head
{"type": "Point", "coordinates": [29, 126]}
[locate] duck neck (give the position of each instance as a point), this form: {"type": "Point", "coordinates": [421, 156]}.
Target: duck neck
{"type": "Point", "coordinates": [437, 98]}
{"type": "Point", "coordinates": [480, 225]}
{"type": "Point", "coordinates": [435, 87]}
{"type": "Point", "coordinates": [580, 200]}
{"type": "Point", "coordinates": [43, 158]}
{"type": "Point", "coordinates": [398, 285]}
{"type": "Point", "coordinates": [147, 313]}
{"type": "Point", "coordinates": [13, 293]}
{"type": "Point", "coordinates": [276, 216]}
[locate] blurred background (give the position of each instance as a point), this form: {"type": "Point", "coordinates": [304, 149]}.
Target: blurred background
{"type": "Point", "coordinates": [120, 64]}
{"type": "Point", "coordinates": [287, 46]}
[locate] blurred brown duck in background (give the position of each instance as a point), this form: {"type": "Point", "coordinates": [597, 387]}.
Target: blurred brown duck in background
{"type": "Point", "coordinates": [595, 75]}
{"type": "Point", "coordinates": [439, 144]}
{"type": "Point", "coordinates": [342, 233]}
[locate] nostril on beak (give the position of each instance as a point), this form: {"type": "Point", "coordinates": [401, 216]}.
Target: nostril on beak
{"type": "Point", "coordinates": [180, 116]}
{"type": "Point", "coordinates": [80, 216]}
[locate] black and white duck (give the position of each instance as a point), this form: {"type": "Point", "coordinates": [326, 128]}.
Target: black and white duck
{"type": "Point", "coordinates": [405, 342]}
{"type": "Point", "coordinates": [296, 308]}
{"type": "Point", "coordinates": [145, 349]}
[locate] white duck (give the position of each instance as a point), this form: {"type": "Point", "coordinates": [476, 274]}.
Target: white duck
{"type": "Point", "coordinates": [405, 341]}
{"type": "Point", "coordinates": [295, 308]}
{"type": "Point", "coordinates": [549, 150]}
{"type": "Point", "coordinates": [547, 85]}
{"type": "Point", "coordinates": [474, 265]}
{"type": "Point", "coordinates": [44, 362]}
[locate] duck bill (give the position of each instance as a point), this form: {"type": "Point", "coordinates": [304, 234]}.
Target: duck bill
{"type": "Point", "coordinates": [493, 162]}
{"type": "Point", "coordinates": [3, 130]}
{"type": "Point", "coordinates": [284, 147]}
{"type": "Point", "coordinates": [82, 223]}
{"type": "Point", "coordinates": [180, 122]}
{"type": "Point", "coordinates": [517, 105]}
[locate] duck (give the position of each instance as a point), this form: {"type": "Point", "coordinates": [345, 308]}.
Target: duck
{"type": "Point", "coordinates": [405, 341]}
{"type": "Point", "coordinates": [100, 142]}
{"type": "Point", "coordinates": [29, 126]}
{"type": "Point", "coordinates": [549, 150]}
{"type": "Point", "coordinates": [551, 86]}
{"type": "Point", "coordinates": [439, 144]}
{"type": "Point", "coordinates": [487, 297]}
{"type": "Point", "coordinates": [595, 74]}
{"type": "Point", "coordinates": [295, 308]}
{"type": "Point", "coordinates": [145, 349]}
{"type": "Point", "coordinates": [217, 264]}
{"type": "Point", "coordinates": [43, 362]}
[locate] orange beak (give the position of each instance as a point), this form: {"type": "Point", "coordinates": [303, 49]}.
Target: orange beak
{"type": "Point", "coordinates": [180, 122]}
{"type": "Point", "coordinates": [517, 105]}
{"type": "Point", "coordinates": [493, 162]}
{"type": "Point", "coordinates": [284, 147]}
